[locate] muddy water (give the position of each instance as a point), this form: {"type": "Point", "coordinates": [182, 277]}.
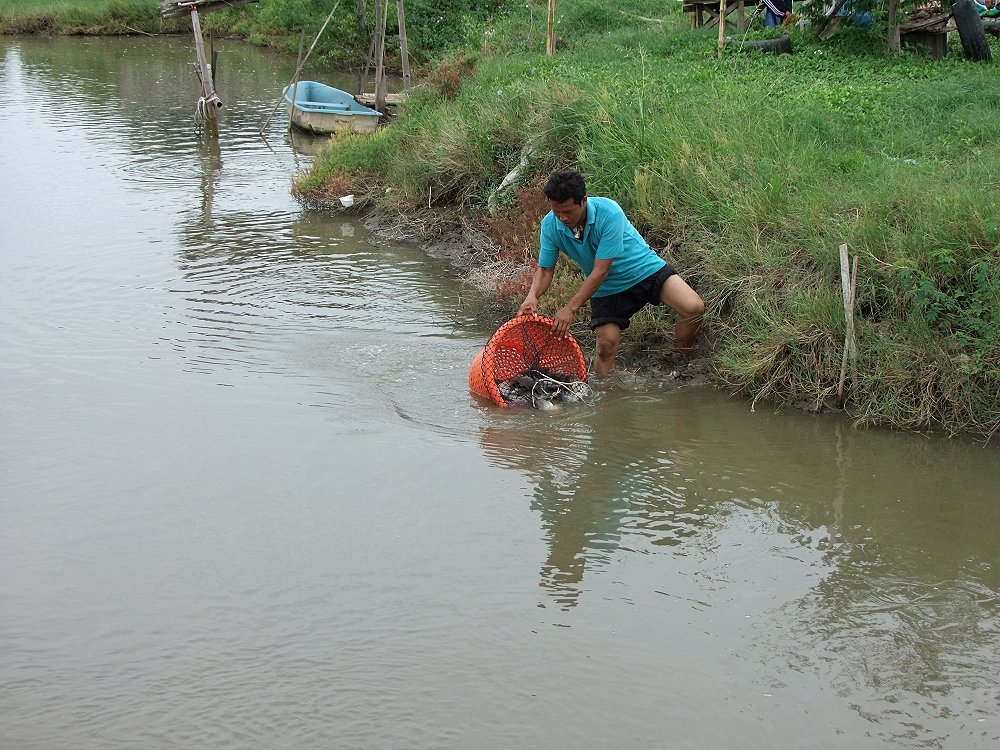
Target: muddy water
{"type": "Point", "coordinates": [246, 500]}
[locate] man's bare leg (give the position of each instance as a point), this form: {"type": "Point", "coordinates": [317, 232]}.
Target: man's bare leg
{"type": "Point", "coordinates": [689, 307]}
{"type": "Point", "coordinates": [608, 336]}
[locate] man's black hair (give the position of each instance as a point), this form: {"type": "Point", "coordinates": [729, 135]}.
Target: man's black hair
{"type": "Point", "coordinates": [565, 185]}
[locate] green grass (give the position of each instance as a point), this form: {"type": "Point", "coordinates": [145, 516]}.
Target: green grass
{"type": "Point", "coordinates": [759, 167]}
{"type": "Point", "coordinates": [79, 16]}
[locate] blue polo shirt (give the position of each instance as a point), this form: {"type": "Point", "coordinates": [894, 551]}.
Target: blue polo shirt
{"type": "Point", "coordinates": [608, 235]}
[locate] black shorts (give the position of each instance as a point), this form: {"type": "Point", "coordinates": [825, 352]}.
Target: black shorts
{"type": "Point", "coordinates": [619, 308]}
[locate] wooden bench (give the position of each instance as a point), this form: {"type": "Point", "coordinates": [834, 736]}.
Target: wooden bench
{"type": "Point", "coordinates": [705, 13]}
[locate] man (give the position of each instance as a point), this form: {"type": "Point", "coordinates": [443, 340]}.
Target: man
{"type": "Point", "coordinates": [623, 274]}
{"type": "Point", "coordinates": [777, 12]}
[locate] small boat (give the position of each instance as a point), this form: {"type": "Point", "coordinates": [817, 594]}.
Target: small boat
{"type": "Point", "coordinates": [323, 109]}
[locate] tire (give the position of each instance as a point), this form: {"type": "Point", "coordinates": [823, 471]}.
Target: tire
{"type": "Point", "coordinates": [780, 46]}
{"type": "Point", "coordinates": [970, 31]}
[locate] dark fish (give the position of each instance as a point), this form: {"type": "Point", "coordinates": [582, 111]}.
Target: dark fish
{"type": "Point", "coordinates": [542, 388]}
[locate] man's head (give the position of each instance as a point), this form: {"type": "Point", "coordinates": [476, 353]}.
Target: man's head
{"type": "Point", "coordinates": [567, 194]}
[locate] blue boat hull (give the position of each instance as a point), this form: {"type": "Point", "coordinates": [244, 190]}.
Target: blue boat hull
{"type": "Point", "coordinates": [323, 109]}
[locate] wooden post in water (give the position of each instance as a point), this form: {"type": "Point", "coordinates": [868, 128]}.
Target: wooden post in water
{"type": "Point", "coordinates": [211, 101]}
{"type": "Point", "coordinates": [380, 13]}
{"type": "Point", "coordinates": [213, 56]}
{"type": "Point", "coordinates": [403, 49]}
{"type": "Point", "coordinates": [550, 29]}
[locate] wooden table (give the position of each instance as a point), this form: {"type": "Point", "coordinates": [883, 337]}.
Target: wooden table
{"type": "Point", "coordinates": [705, 13]}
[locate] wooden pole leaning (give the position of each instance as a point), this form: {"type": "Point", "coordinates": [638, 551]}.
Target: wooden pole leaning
{"type": "Point", "coordinates": [298, 68]}
{"type": "Point", "coordinates": [295, 78]}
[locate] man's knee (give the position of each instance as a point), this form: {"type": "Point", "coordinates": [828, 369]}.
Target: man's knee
{"type": "Point", "coordinates": [608, 337]}
{"type": "Point", "coordinates": [691, 308]}
{"type": "Point", "coordinates": [607, 349]}
{"type": "Point", "coordinates": [684, 300]}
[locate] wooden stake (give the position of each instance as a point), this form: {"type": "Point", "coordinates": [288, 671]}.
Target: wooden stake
{"type": "Point", "coordinates": [380, 13]}
{"type": "Point", "coordinates": [212, 101]}
{"type": "Point", "coordinates": [848, 282]}
{"type": "Point", "coordinates": [403, 50]}
{"type": "Point", "coordinates": [722, 25]}
{"type": "Point", "coordinates": [550, 29]}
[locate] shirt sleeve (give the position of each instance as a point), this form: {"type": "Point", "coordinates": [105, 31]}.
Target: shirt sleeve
{"type": "Point", "coordinates": [548, 252]}
{"type": "Point", "coordinates": [611, 235]}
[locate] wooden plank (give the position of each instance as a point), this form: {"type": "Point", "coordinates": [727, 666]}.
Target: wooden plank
{"type": "Point", "coordinates": [391, 100]}
{"type": "Point", "coordinates": [699, 9]}
{"type": "Point", "coordinates": [179, 8]}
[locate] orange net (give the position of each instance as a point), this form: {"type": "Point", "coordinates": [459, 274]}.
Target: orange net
{"type": "Point", "coordinates": [525, 344]}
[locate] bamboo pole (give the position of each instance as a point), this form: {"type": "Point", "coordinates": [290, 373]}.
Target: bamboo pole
{"type": "Point", "coordinates": [212, 101]}
{"type": "Point", "coordinates": [403, 49]}
{"type": "Point", "coordinates": [550, 29]}
{"type": "Point", "coordinates": [213, 57]}
{"type": "Point", "coordinates": [295, 78]}
{"type": "Point", "coordinates": [368, 65]}
{"type": "Point", "coordinates": [298, 68]}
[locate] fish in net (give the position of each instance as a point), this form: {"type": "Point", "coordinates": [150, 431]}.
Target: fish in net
{"type": "Point", "coordinates": [524, 362]}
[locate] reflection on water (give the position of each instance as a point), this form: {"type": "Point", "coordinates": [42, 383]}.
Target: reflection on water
{"type": "Point", "coordinates": [307, 143]}
{"type": "Point", "coordinates": [599, 470]}
{"type": "Point", "coordinates": [902, 593]}
{"type": "Point", "coordinates": [246, 499]}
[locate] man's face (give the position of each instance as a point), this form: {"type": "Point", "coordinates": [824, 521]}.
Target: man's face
{"type": "Point", "coordinates": [569, 212]}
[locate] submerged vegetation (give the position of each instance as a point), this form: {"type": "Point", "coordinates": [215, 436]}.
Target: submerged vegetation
{"type": "Point", "coordinates": [747, 170]}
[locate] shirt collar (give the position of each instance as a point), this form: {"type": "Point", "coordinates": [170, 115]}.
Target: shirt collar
{"type": "Point", "coordinates": [587, 222]}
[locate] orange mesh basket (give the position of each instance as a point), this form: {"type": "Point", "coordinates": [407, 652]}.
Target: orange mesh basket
{"type": "Point", "coordinates": [522, 344]}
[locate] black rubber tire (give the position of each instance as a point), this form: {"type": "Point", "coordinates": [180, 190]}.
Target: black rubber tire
{"type": "Point", "coordinates": [780, 46]}
{"type": "Point", "coordinates": [970, 31]}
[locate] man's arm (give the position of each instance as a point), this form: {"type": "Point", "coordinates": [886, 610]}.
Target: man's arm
{"type": "Point", "coordinates": [563, 319]}
{"type": "Point", "coordinates": [539, 285]}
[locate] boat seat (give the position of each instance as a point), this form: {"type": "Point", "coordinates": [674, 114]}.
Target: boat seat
{"type": "Point", "coordinates": [330, 106]}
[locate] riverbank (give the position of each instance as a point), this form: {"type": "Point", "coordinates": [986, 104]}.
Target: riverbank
{"type": "Point", "coordinates": [277, 24]}
{"type": "Point", "coordinates": [748, 172]}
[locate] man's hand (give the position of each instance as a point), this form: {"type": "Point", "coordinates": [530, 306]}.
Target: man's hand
{"type": "Point", "coordinates": [529, 306]}
{"type": "Point", "coordinates": [562, 320]}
